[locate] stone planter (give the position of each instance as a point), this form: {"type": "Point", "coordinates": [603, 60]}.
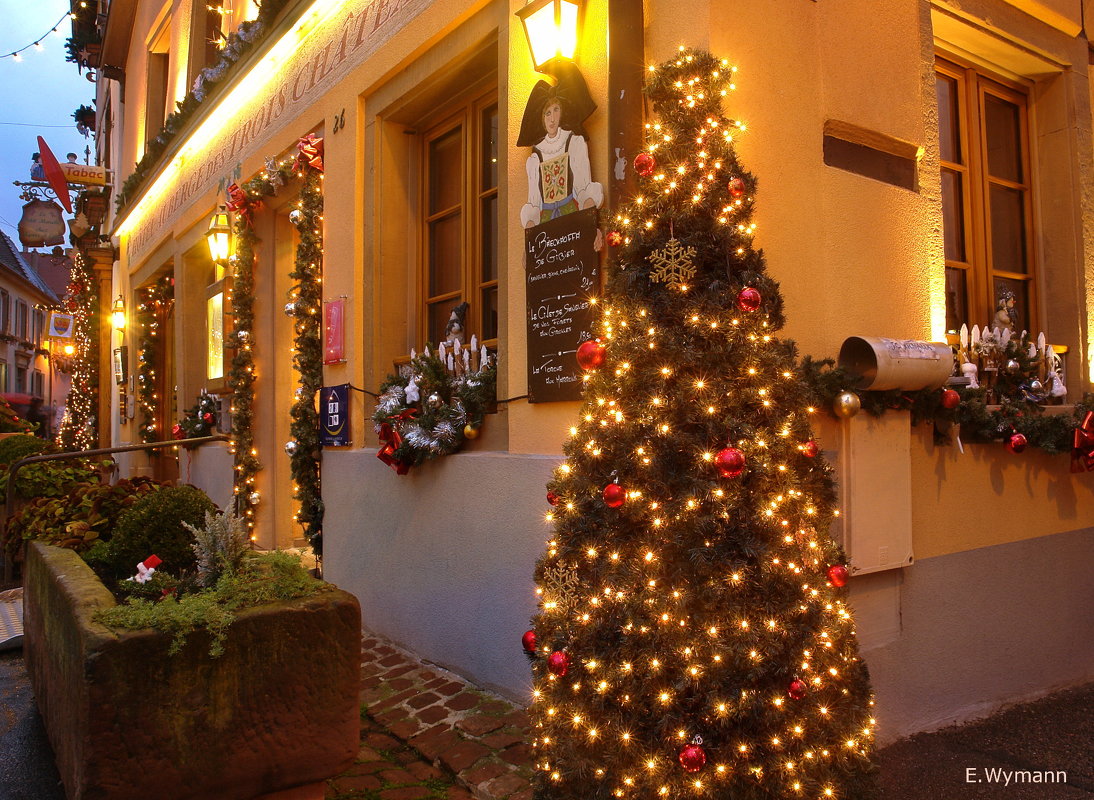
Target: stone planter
{"type": "Point", "coordinates": [279, 709]}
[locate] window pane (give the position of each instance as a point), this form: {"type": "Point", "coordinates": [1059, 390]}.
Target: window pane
{"type": "Point", "coordinates": [214, 341]}
{"type": "Point", "coordinates": [949, 139]}
{"type": "Point", "coordinates": [957, 299]}
{"type": "Point", "coordinates": [1008, 235]}
{"type": "Point", "coordinates": [490, 148]}
{"type": "Point", "coordinates": [439, 313]}
{"type": "Point", "coordinates": [1002, 122]}
{"type": "Point", "coordinates": [953, 216]}
{"type": "Point", "coordinates": [445, 170]}
{"type": "Point", "coordinates": [444, 255]}
{"type": "Point", "coordinates": [489, 313]}
{"type": "Point", "coordinates": [1019, 312]}
{"type": "Point", "coordinates": [490, 238]}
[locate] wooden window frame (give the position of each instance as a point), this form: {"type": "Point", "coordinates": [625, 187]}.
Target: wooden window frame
{"type": "Point", "coordinates": [972, 86]}
{"type": "Point", "coordinates": [22, 320]}
{"type": "Point", "coordinates": [468, 116]}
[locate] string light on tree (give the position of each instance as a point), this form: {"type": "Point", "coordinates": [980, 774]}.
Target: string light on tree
{"type": "Point", "coordinates": [77, 430]}
{"type": "Point", "coordinates": [702, 647]}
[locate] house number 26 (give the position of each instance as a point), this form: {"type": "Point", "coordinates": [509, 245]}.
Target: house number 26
{"type": "Point", "coordinates": [339, 122]}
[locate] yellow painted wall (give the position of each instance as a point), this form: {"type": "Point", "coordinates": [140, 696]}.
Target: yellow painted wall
{"type": "Point", "coordinates": [854, 256]}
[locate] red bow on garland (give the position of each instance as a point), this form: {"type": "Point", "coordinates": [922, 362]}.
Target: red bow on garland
{"type": "Point", "coordinates": [238, 203]}
{"type": "Point", "coordinates": [1082, 453]}
{"type": "Point", "coordinates": [391, 440]}
{"type": "Point", "coordinates": [311, 152]}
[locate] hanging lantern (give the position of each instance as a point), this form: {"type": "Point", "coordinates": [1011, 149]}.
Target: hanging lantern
{"type": "Point", "coordinates": [219, 236]}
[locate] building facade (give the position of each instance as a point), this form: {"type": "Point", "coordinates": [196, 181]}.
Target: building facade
{"type": "Point", "coordinates": [915, 160]}
{"type": "Point", "coordinates": [29, 364]}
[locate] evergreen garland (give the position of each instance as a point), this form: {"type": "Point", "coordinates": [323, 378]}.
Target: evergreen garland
{"type": "Point", "coordinates": [78, 429]}
{"type": "Point", "coordinates": [151, 301]}
{"type": "Point", "coordinates": [979, 421]}
{"type": "Point", "coordinates": [305, 309]}
{"type": "Point", "coordinates": [241, 378]}
{"type": "Point", "coordinates": [307, 304]}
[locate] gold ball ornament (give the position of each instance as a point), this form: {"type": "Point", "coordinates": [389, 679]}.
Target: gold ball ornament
{"type": "Point", "coordinates": [470, 431]}
{"type": "Point", "coordinates": [846, 405]}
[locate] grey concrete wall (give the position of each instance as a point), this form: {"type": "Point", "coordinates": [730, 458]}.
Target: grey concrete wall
{"type": "Point", "coordinates": [953, 638]}
{"type": "Point", "coordinates": [442, 558]}
{"type": "Point", "coordinates": [209, 468]}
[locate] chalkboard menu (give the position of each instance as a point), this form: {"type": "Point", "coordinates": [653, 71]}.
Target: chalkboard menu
{"type": "Point", "coordinates": [563, 272]}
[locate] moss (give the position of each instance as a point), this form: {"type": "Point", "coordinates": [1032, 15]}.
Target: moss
{"type": "Point", "coordinates": [261, 579]}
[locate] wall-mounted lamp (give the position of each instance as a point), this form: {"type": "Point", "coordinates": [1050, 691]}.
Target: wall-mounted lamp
{"type": "Point", "coordinates": [117, 313]}
{"type": "Point", "coordinates": [219, 236]}
{"type": "Point", "coordinates": [69, 350]}
{"type": "Point", "coordinates": [551, 27]}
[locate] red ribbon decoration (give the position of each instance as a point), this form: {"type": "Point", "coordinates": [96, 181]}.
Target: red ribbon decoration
{"type": "Point", "coordinates": [238, 203]}
{"type": "Point", "coordinates": [391, 440]}
{"type": "Point", "coordinates": [311, 152]}
{"type": "Point", "coordinates": [1082, 453]}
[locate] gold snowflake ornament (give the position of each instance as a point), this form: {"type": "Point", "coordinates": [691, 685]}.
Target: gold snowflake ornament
{"type": "Point", "coordinates": [560, 587]}
{"type": "Point", "coordinates": [672, 264]}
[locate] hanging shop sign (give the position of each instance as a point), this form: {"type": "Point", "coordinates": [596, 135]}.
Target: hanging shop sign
{"type": "Point", "coordinates": [42, 224]}
{"type": "Point", "coordinates": [562, 275]}
{"type": "Point", "coordinates": [334, 332]}
{"type": "Point", "coordinates": [84, 174]}
{"type": "Point", "coordinates": [60, 325]}
{"type": "Point", "coordinates": [334, 416]}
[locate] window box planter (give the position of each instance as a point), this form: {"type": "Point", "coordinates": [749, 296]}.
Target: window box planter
{"type": "Point", "coordinates": [279, 709]}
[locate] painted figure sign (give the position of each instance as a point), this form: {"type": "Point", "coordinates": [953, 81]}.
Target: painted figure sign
{"type": "Point", "coordinates": [562, 237]}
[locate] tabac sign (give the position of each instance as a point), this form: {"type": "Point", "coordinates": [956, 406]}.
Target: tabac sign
{"type": "Point", "coordinates": [334, 37]}
{"type": "Point", "coordinates": [84, 174]}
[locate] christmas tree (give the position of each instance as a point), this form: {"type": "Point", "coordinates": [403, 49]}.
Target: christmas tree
{"type": "Point", "coordinates": [693, 637]}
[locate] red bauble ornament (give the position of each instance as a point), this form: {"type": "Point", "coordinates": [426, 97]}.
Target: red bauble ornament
{"type": "Point", "coordinates": [1016, 442]}
{"type": "Point", "coordinates": [950, 398]}
{"type": "Point", "coordinates": [614, 495]}
{"type": "Point", "coordinates": [810, 449]}
{"type": "Point", "coordinates": [645, 164]}
{"type": "Point", "coordinates": [558, 663]}
{"type": "Point", "coordinates": [72, 306]}
{"type": "Point", "coordinates": [529, 641]}
{"type": "Point", "coordinates": [730, 462]}
{"type": "Point", "coordinates": [736, 187]}
{"type": "Point", "coordinates": [796, 689]}
{"type": "Point", "coordinates": [615, 238]}
{"type": "Point", "coordinates": [178, 432]}
{"type": "Point", "coordinates": [552, 498]}
{"type": "Point", "coordinates": [748, 299]}
{"type": "Point", "coordinates": [207, 418]}
{"type": "Point", "coordinates": [692, 757]}
{"type": "Point", "coordinates": [590, 355]}
{"type": "Point", "coordinates": [837, 575]}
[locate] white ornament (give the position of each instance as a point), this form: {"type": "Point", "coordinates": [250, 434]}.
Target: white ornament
{"type": "Point", "coordinates": [253, 498]}
{"type": "Point", "coordinates": [296, 216]}
{"type": "Point", "coordinates": [412, 393]}
{"type": "Point", "coordinates": [968, 369]}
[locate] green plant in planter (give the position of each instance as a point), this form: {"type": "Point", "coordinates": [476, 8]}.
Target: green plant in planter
{"type": "Point", "coordinates": [154, 524]}
{"type": "Point", "coordinates": [219, 547]}
{"type": "Point", "coordinates": [47, 478]}
{"type": "Point", "coordinates": [259, 579]}
{"type": "Point", "coordinates": [80, 519]}
{"type": "Point", "coordinates": [14, 448]}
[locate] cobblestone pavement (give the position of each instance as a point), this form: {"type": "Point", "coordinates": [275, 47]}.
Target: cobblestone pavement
{"type": "Point", "coordinates": [473, 739]}
{"type": "Point", "coordinates": [429, 735]}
